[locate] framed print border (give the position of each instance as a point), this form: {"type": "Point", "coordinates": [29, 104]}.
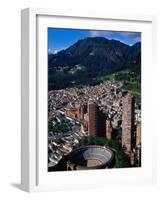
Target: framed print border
{"type": "Point", "coordinates": [30, 163]}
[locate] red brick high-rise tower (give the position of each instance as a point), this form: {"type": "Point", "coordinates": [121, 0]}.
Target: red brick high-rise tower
{"type": "Point", "coordinates": [128, 122]}
{"type": "Point", "coordinates": [93, 115]}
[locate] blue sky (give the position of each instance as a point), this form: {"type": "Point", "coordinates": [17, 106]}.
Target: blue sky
{"type": "Point", "coordinates": [59, 38]}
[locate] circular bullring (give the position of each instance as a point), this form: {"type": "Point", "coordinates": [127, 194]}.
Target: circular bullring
{"type": "Point", "coordinates": [90, 157]}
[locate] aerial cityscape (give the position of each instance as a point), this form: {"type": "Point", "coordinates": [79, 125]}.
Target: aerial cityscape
{"type": "Point", "coordinates": [94, 99]}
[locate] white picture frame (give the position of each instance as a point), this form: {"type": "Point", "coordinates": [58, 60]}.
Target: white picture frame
{"type": "Point", "coordinates": [34, 176]}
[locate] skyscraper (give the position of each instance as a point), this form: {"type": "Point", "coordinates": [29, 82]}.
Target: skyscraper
{"type": "Point", "coordinates": [128, 122]}
{"type": "Point", "coordinates": [108, 129]}
{"type": "Point", "coordinates": [83, 110]}
{"type": "Point", "coordinates": [138, 145]}
{"type": "Point", "coordinates": [93, 113]}
{"type": "Point", "coordinates": [101, 124]}
{"type": "Point", "coordinates": [138, 134]}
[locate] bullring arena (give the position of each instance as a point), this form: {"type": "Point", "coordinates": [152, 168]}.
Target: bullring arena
{"type": "Point", "coordinates": [90, 157]}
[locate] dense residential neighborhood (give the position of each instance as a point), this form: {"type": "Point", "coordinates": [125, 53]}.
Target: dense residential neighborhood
{"type": "Point", "coordinates": [69, 119]}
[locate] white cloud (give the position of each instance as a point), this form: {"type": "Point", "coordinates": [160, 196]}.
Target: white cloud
{"type": "Point", "coordinates": [100, 33]}
{"type": "Point", "coordinates": [53, 51]}
{"type": "Point", "coordinates": [123, 36]}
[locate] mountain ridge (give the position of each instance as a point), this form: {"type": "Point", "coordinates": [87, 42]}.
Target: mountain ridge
{"type": "Point", "coordinates": [89, 58]}
{"type": "Point", "coordinates": [112, 51]}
